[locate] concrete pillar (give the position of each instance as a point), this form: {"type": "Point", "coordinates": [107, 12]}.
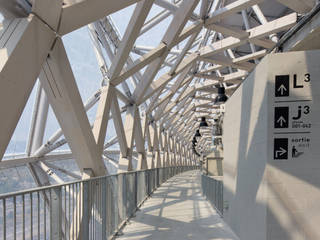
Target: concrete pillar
{"type": "Point", "coordinates": [271, 150]}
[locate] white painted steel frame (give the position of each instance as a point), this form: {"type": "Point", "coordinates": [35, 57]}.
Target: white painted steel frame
{"type": "Point", "coordinates": [160, 112]}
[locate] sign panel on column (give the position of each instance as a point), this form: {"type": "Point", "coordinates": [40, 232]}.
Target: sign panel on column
{"type": "Point", "coordinates": [292, 109]}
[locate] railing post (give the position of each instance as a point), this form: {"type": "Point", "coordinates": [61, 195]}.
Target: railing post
{"type": "Point", "coordinates": [86, 209]}
{"type": "Point", "coordinates": [121, 204]}
{"type": "Point", "coordinates": [157, 178]}
{"type": "Point", "coordinates": [104, 208]}
{"type": "Point", "coordinates": [55, 213]}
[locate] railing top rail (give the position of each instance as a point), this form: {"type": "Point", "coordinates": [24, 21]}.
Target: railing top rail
{"type": "Point", "coordinates": [44, 188]}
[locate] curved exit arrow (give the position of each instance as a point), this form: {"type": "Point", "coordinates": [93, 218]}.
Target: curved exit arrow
{"type": "Point", "coordinates": [280, 152]}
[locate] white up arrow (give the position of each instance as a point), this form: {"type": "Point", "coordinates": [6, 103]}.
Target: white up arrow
{"type": "Point", "coordinates": [282, 88]}
{"type": "Point", "coordinates": [281, 120]}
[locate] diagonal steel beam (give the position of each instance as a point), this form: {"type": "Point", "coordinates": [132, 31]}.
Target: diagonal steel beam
{"type": "Point", "coordinates": [17, 49]}
{"type": "Point", "coordinates": [169, 39]}
{"type": "Point", "coordinates": [63, 95]}
{"type": "Point", "coordinates": [79, 14]}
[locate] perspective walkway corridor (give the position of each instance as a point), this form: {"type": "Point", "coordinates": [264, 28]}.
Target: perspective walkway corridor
{"type": "Point", "coordinates": [177, 210]}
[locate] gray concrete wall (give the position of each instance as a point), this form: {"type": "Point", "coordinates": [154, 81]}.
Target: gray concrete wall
{"type": "Point", "coordinates": [245, 155]}
{"type": "Point", "coordinates": [268, 197]}
{"type": "Point", "coordinates": [214, 167]}
{"type": "Point", "coordinates": [214, 163]}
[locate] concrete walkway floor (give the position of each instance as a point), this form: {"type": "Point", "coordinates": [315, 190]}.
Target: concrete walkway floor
{"type": "Point", "coordinates": [177, 210]}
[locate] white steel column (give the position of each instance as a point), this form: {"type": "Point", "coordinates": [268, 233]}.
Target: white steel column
{"type": "Point", "coordinates": [140, 143]}
{"type": "Point", "coordinates": [125, 161]}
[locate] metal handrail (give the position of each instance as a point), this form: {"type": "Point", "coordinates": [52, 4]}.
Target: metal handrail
{"type": "Point", "coordinates": [94, 208]}
{"type": "Point", "coordinates": [32, 190]}
{"type": "Point", "coordinates": [212, 189]}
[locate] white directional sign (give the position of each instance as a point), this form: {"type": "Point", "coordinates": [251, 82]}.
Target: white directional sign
{"type": "Point", "coordinates": [293, 108]}
{"type": "Point", "coordinates": [281, 117]}
{"type": "Point", "coordinates": [281, 148]}
{"type": "Point", "coordinates": [282, 85]}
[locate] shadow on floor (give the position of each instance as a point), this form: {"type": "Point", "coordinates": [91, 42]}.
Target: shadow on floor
{"type": "Point", "coordinates": [177, 210]}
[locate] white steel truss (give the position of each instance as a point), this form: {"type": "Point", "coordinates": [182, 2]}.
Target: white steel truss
{"type": "Point", "coordinates": [154, 95]}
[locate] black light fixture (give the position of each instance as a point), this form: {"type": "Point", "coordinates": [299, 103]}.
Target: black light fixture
{"type": "Point", "coordinates": [197, 133]}
{"type": "Point", "coordinates": [221, 98]}
{"type": "Point", "coordinates": [203, 122]}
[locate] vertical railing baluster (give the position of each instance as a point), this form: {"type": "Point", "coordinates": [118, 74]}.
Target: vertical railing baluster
{"type": "Point", "coordinates": [31, 217]}
{"type": "Point", "coordinates": [14, 218]}
{"type": "Point", "coordinates": [92, 209]}
{"type": "Point", "coordinates": [80, 205]}
{"type": "Point", "coordinates": [85, 206]}
{"type": "Point", "coordinates": [69, 201]}
{"type": "Point", "coordinates": [23, 219]}
{"type": "Point", "coordinates": [76, 219]}
{"type": "Point", "coordinates": [91, 219]}
{"type": "Point", "coordinates": [38, 202]}
{"type": "Point", "coordinates": [104, 208]}
{"type": "Point", "coordinates": [73, 208]}
{"type": "Point", "coordinates": [98, 209]}
{"type": "Point", "coordinates": [4, 218]}
{"type": "Point", "coordinates": [55, 213]}
{"type": "Point", "coordinates": [65, 212]}
{"type": "Point", "coordinates": [44, 215]}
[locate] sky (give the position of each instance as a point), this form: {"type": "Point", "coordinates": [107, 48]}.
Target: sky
{"type": "Point", "coordinates": [82, 58]}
